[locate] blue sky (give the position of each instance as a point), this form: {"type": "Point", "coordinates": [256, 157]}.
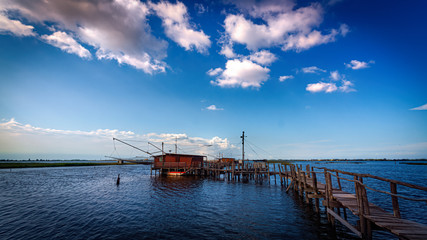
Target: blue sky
{"type": "Point", "coordinates": [321, 79]}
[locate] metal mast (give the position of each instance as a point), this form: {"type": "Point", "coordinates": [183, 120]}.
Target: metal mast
{"type": "Point", "coordinates": [243, 145]}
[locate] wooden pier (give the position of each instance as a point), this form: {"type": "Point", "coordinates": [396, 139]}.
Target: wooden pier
{"type": "Point", "coordinates": [335, 200]}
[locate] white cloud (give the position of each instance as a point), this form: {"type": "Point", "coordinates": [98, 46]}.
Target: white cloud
{"type": "Point", "coordinates": [284, 78]}
{"type": "Point", "coordinates": [177, 26]}
{"type": "Point", "coordinates": [312, 69]}
{"type": "Point", "coordinates": [344, 29]}
{"type": "Point", "coordinates": [118, 30]}
{"type": "Point", "coordinates": [322, 87]}
{"type": "Point", "coordinates": [423, 107]}
{"type": "Point", "coordinates": [335, 75]}
{"type": "Point", "coordinates": [144, 61]}
{"type": "Point", "coordinates": [227, 51]}
{"type": "Point", "coordinates": [213, 72]}
{"type": "Point", "coordinates": [242, 73]}
{"type": "Point", "coordinates": [282, 25]}
{"type": "Point", "coordinates": [214, 108]}
{"type": "Point", "coordinates": [15, 27]}
{"type": "Point", "coordinates": [16, 138]}
{"type": "Point", "coordinates": [263, 57]}
{"type": "Point", "coordinates": [303, 41]}
{"type": "Point", "coordinates": [67, 44]}
{"type": "Point", "coordinates": [347, 86]}
{"type": "Point", "coordinates": [355, 64]}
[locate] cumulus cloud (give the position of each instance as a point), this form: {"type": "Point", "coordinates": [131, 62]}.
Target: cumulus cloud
{"type": "Point", "coordinates": [16, 137]}
{"type": "Point", "coordinates": [67, 44]}
{"type": "Point", "coordinates": [263, 57]}
{"type": "Point", "coordinates": [242, 73]}
{"type": "Point", "coordinates": [423, 107]}
{"type": "Point", "coordinates": [334, 75]}
{"type": "Point", "coordinates": [312, 69]}
{"type": "Point", "coordinates": [177, 26]}
{"type": "Point", "coordinates": [117, 29]}
{"type": "Point", "coordinates": [346, 87]}
{"type": "Point", "coordinates": [356, 64]}
{"type": "Point", "coordinates": [282, 25]}
{"type": "Point", "coordinates": [214, 108]}
{"type": "Point", "coordinates": [213, 72]}
{"type": "Point", "coordinates": [303, 41]}
{"type": "Point", "coordinates": [284, 78]}
{"type": "Point", "coordinates": [227, 51]}
{"type": "Point", "coordinates": [15, 27]}
{"type": "Point", "coordinates": [321, 87]}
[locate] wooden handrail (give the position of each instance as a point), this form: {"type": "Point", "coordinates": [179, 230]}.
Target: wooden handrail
{"type": "Point", "coordinates": [376, 177]}
{"type": "Point", "coordinates": [391, 194]}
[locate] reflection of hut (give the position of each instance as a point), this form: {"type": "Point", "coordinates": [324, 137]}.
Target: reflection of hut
{"type": "Point", "coordinates": [177, 164]}
{"type": "Point", "coordinates": [227, 160]}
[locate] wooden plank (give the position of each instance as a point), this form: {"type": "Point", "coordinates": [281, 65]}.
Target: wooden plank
{"type": "Point", "coordinates": [344, 222]}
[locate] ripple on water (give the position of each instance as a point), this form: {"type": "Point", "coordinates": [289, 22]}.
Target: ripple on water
{"type": "Point", "coordinates": [85, 203]}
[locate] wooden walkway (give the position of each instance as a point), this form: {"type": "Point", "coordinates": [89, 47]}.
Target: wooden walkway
{"type": "Point", "coordinates": [334, 199]}
{"type": "Point", "coordinates": [370, 215]}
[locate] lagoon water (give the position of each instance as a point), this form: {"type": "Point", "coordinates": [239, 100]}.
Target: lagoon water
{"type": "Point", "coordinates": [85, 203]}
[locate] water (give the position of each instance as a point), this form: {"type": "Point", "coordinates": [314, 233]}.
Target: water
{"type": "Point", "coordinates": [85, 203]}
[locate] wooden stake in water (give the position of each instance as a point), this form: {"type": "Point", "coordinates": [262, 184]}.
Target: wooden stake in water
{"type": "Point", "coordinates": [118, 180]}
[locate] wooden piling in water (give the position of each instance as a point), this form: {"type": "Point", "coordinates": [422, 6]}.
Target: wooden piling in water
{"type": "Point", "coordinates": [306, 185]}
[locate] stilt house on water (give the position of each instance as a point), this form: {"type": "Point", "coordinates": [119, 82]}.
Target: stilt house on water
{"type": "Point", "coordinates": [227, 160]}
{"type": "Point", "coordinates": [177, 164]}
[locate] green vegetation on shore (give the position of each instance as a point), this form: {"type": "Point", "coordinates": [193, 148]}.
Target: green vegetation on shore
{"type": "Point", "coordinates": [56, 164]}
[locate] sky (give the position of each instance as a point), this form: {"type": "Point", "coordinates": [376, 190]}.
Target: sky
{"type": "Point", "coordinates": [303, 79]}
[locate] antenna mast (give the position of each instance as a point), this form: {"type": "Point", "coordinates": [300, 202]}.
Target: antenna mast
{"type": "Point", "coordinates": [243, 145]}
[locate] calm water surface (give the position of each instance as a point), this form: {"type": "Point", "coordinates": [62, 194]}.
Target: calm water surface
{"type": "Point", "coordinates": [85, 203]}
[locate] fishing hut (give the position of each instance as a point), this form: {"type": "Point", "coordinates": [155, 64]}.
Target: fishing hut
{"type": "Point", "coordinates": [227, 160]}
{"type": "Point", "coordinates": [178, 164]}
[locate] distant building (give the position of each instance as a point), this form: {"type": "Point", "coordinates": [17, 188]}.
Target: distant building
{"type": "Point", "coordinates": [227, 160]}
{"type": "Point", "coordinates": [178, 163]}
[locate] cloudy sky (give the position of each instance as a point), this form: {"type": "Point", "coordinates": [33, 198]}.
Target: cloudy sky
{"type": "Point", "coordinates": [320, 79]}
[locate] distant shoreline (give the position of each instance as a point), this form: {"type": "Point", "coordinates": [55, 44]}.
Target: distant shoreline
{"type": "Point", "coordinates": [6, 164]}
{"type": "Point", "coordinates": [27, 164]}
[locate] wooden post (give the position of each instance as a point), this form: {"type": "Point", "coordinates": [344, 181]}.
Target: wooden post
{"type": "Point", "coordinates": [339, 182]}
{"type": "Point", "coordinates": [329, 196]}
{"type": "Point", "coordinates": [307, 200]}
{"type": "Point", "coordinates": [233, 168]}
{"type": "Point", "coordinates": [315, 191]}
{"type": "Point", "coordinates": [307, 169]}
{"type": "Point", "coordinates": [274, 169]}
{"type": "Point", "coordinates": [280, 175]}
{"type": "Point", "coordinates": [363, 206]}
{"type": "Point", "coordinates": [299, 181]}
{"type": "Point", "coordinates": [393, 189]}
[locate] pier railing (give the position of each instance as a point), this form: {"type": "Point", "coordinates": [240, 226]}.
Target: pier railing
{"type": "Point", "coordinates": [358, 180]}
{"type": "Point", "coordinates": [368, 212]}
{"type": "Point", "coordinates": [305, 183]}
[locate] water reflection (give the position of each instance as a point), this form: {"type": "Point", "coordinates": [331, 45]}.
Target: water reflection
{"type": "Point", "coordinates": [85, 203]}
